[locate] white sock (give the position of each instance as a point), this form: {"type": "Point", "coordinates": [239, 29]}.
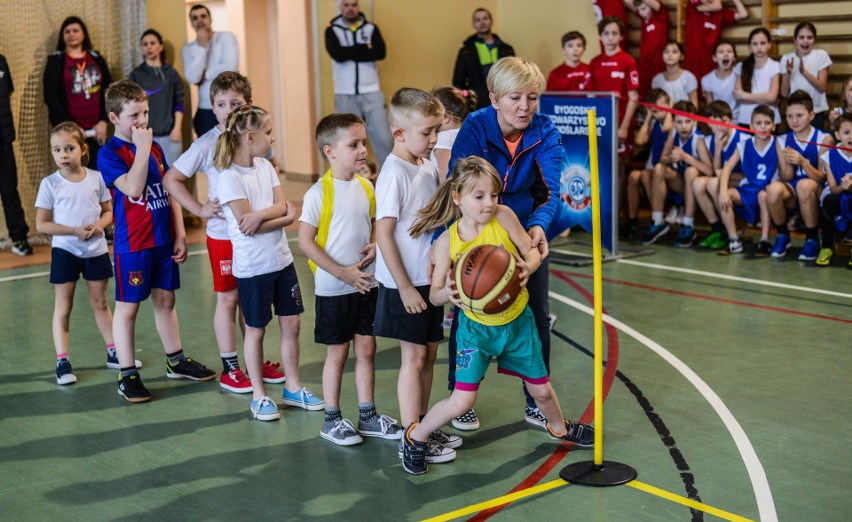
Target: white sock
{"type": "Point", "coordinates": [657, 217]}
{"type": "Point", "coordinates": [688, 221]}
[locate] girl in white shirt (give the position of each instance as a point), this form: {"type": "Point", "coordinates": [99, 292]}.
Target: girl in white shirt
{"type": "Point", "coordinates": [679, 84]}
{"type": "Point", "coordinates": [758, 81]}
{"type": "Point", "coordinates": [806, 69]}
{"type": "Point", "coordinates": [457, 105]}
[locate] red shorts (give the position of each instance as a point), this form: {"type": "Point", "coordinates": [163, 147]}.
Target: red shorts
{"type": "Point", "coordinates": [221, 254]}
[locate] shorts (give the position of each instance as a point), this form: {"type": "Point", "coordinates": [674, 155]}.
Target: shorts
{"type": "Point", "coordinates": [340, 318]}
{"type": "Point", "coordinates": [65, 267]}
{"type": "Point", "coordinates": [393, 322]}
{"type": "Point", "coordinates": [136, 273]}
{"type": "Point", "coordinates": [750, 209]}
{"type": "Point", "coordinates": [516, 346]}
{"type": "Point", "coordinates": [260, 293]}
{"type": "Point", "coordinates": [221, 253]}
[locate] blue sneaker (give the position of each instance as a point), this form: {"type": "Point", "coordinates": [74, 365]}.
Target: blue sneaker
{"type": "Point", "coordinates": [264, 409]}
{"type": "Point", "coordinates": [810, 251]}
{"type": "Point", "coordinates": [779, 249]}
{"type": "Point", "coordinates": [302, 398]}
{"type": "Point", "coordinates": [685, 236]}
{"type": "Point", "coordinates": [654, 233]}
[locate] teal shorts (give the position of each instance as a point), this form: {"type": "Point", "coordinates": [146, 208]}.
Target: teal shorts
{"type": "Point", "coordinates": [516, 346]}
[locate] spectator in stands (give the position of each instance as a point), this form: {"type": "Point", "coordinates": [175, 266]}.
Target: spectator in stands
{"type": "Point", "coordinates": [476, 56]}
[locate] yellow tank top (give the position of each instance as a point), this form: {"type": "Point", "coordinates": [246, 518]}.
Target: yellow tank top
{"type": "Point", "coordinates": [492, 234]}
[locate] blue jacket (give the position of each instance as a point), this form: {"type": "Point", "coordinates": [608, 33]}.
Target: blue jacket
{"type": "Point", "coordinates": [531, 180]}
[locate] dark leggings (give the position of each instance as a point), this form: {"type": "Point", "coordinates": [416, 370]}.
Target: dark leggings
{"type": "Point", "coordinates": [829, 210]}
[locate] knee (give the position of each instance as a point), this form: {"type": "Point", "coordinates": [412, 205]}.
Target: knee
{"type": "Point", "coordinates": [540, 392]}
{"type": "Point", "coordinates": [98, 302]}
{"type": "Point", "coordinates": [761, 197]}
{"type": "Point", "coordinates": [634, 177]}
{"type": "Point", "coordinates": [462, 402]}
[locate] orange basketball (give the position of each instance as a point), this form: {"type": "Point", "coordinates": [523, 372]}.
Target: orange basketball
{"type": "Point", "coordinates": [487, 279]}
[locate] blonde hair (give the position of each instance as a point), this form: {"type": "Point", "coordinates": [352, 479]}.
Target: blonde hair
{"type": "Point", "coordinates": [409, 105]}
{"type": "Point", "coordinates": [441, 209]}
{"type": "Point", "coordinates": [512, 74]}
{"type": "Point", "coordinates": [69, 127]}
{"type": "Point", "coordinates": [244, 119]}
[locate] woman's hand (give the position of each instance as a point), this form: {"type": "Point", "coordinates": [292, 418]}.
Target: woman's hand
{"type": "Point", "coordinates": [539, 240]}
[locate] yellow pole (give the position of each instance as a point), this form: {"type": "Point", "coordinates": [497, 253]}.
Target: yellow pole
{"type": "Point", "coordinates": [598, 285]}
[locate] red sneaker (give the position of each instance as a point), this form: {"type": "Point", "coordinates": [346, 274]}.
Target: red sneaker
{"type": "Point", "coordinates": [272, 374]}
{"type": "Point", "coordinates": [235, 381]}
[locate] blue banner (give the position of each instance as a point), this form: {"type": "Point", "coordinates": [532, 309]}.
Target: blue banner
{"type": "Point", "coordinates": [569, 113]}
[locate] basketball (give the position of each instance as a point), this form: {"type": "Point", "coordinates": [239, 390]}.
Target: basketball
{"type": "Point", "coordinates": [487, 279]}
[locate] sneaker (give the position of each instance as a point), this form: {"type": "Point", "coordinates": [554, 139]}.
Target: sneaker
{"type": "Point", "coordinates": [711, 240]}
{"type": "Point", "coordinates": [551, 320]}
{"type": "Point", "coordinates": [824, 258]}
{"type": "Point", "coordinates": [264, 409]}
{"type": "Point", "coordinates": [779, 249]}
{"type": "Point", "coordinates": [381, 426]}
{"type": "Point", "coordinates": [445, 439]}
{"type": "Point", "coordinates": [302, 398]}
{"type": "Point", "coordinates": [467, 422]}
{"type": "Point", "coordinates": [272, 374]}
{"type": "Point", "coordinates": [436, 453]}
{"type": "Point", "coordinates": [413, 453]}
{"type": "Point", "coordinates": [629, 231]}
{"type": "Point", "coordinates": [112, 362]}
{"type": "Point", "coordinates": [582, 435]}
{"type": "Point", "coordinates": [189, 369]}
{"type": "Point", "coordinates": [533, 415]}
{"type": "Point", "coordinates": [235, 381]}
{"type": "Point", "coordinates": [447, 323]}
{"type": "Point", "coordinates": [685, 237]}
{"type": "Point", "coordinates": [671, 217]}
{"type": "Point", "coordinates": [764, 248]}
{"type": "Point", "coordinates": [340, 432]}
{"type": "Point", "coordinates": [132, 389]}
{"type": "Point", "coordinates": [22, 248]}
{"type": "Point", "coordinates": [735, 246]}
{"type": "Point", "coordinates": [810, 251]}
{"type": "Point", "coordinates": [64, 373]}
{"type": "Point", "coordinates": [654, 233]}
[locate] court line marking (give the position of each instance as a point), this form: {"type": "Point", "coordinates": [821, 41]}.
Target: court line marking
{"type": "Point", "coordinates": [756, 473]}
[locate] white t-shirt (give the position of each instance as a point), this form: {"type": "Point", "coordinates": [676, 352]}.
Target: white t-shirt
{"type": "Point", "coordinates": [261, 253]}
{"type": "Point", "coordinates": [815, 61]}
{"type": "Point", "coordinates": [402, 190]}
{"type": "Point", "coordinates": [445, 141]}
{"type": "Point", "coordinates": [75, 204]}
{"type": "Point", "coordinates": [678, 89]}
{"type": "Point", "coordinates": [199, 157]}
{"type": "Point", "coordinates": [722, 89]}
{"type": "Point", "coordinates": [761, 80]}
{"type": "Point", "coordinates": [348, 232]}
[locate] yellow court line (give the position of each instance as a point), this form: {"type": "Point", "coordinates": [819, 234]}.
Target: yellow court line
{"type": "Point", "coordinates": [710, 510]}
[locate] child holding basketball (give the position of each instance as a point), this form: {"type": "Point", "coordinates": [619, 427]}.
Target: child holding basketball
{"type": "Point", "coordinates": [470, 198]}
{"type": "Point", "coordinates": [256, 212]}
{"type": "Point", "coordinates": [336, 234]}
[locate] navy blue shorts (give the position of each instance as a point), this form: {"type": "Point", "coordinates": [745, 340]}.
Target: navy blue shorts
{"type": "Point", "coordinates": [393, 322]}
{"type": "Point", "coordinates": [340, 318]}
{"type": "Point", "coordinates": [65, 267]}
{"type": "Point", "coordinates": [260, 293]}
{"type": "Point", "coordinates": [137, 273]}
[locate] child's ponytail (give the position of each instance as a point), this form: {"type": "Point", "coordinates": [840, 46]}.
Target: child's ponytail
{"type": "Point", "coordinates": [242, 120]}
{"type": "Point", "coordinates": [747, 71]}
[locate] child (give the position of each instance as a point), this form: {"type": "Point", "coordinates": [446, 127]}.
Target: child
{"type": "Point", "coordinates": [403, 310]}
{"type": "Point", "coordinates": [844, 107]}
{"type": "Point", "coordinates": [719, 83]}
{"type": "Point", "coordinates": [654, 18]}
{"type": "Point", "coordinates": [149, 241]}
{"type": "Point", "coordinates": [757, 77]}
{"type": "Point", "coordinates": [73, 206]}
{"type": "Point", "coordinates": [470, 198]}
{"type": "Point", "coordinates": [704, 22]}
{"type": "Point", "coordinates": [336, 234]}
{"type": "Point", "coordinates": [369, 171]}
{"type": "Point", "coordinates": [256, 213]}
{"type": "Point", "coordinates": [759, 159]}
{"type": "Point", "coordinates": [457, 105]}
{"type": "Point", "coordinates": [572, 75]}
{"type": "Point", "coordinates": [836, 198]}
{"type": "Point", "coordinates": [655, 129]}
{"type": "Point", "coordinates": [229, 91]}
{"type": "Point", "coordinates": [806, 69]}
{"type": "Point", "coordinates": [721, 145]}
{"type": "Point", "coordinates": [678, 82]}
{"type": "Point", "coordinates": [610, 9]}
{"type": "Point", "coordinates": [801, 180]}
{"type": "Point", "coordinates": [684, 158]}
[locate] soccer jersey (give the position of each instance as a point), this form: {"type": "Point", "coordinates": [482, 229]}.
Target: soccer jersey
{"type": "Point", "coordinates": [616, 73]}
{"type": "Point", "coordinates": [729, 149]}
{"type": "Point", "coordinates": [567, 78]}
{"type": "Point", "coordinates": [689, 146]}
{"type": "Point", "coordinates": [146, 221]}
{"type": "Point", "coordinates": [658, 142]}
{"type": "Point", "coordinates": [759, 167]}
{"type": "Point", "coordinates": [652, 42]}
{"type": "Point", "coordinates": [809, 149]}
{"type": "Point", "coordinates": [702, 32]}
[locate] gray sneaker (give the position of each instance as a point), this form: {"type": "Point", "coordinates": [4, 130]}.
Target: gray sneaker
{"type": "Point", "coordinates": [381, 426]}
{"type": "Point", "coordinates": [535, 416]}
{"type": "Point", "coordinates": [436, 452]}
{"type": "Point", "coordinates": [445, 439]}
{"type": "Point", "coordinates": [340, 432]}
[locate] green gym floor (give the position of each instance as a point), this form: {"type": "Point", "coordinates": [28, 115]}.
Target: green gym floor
{"type": "Point", "coordinates": [727, 388]}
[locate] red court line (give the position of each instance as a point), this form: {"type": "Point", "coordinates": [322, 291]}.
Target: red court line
{"type": "Point", "coordinates": [564, 276]}
{"type": "Point", "coordinates": [588, 415]}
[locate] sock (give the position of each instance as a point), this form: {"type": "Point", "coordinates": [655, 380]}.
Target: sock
{"type": "Point", "coordinates": [688, 221]}
{"type": "Point", "coordinates": [782, 229]}
{"type": "Point", "coordinates": [716, 227]}
{"type": "Point", "coordinates": [127, 372]}
{"type": "Point", "coordinates": [229, 362]}
{"type": "Point", "coordinates": [367, 411]}
{"type": "Point", "coordinates": [111, 351]}
{"type": "Point", "coordinates": [176, 358]}
{"type": "Point", "coordinates": [812, 233]}
{"type": "Point", "coordinates": [332, 413]}
{"type": "Point", "coordinates": [61, 357]}
{"type": "Point", "coordinates": [657, 218]}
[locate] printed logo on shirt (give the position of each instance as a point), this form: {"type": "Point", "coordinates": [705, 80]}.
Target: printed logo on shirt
{"type": "Point", "coordinates": [617, 74]}
{"type": "Point", "coordinates": [225, 267]}
{"type": "Point", "coordinates": [710, 25]}
{"type": "Point", "coordinates": [650, 27]}
{"type": "Point", "coordinates": [155, 197]}
{"type": "Point", "coordinates": [634, 76]}
{"type": "Point", "coordinates": [463, 359]}
{"type": "Point", "coordinates": [134, 278]}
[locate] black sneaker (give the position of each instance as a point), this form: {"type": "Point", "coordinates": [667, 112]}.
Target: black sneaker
{"type": "Point", "coordinates": [764, 248]}
{"type": "Point", "coordinates": [22, 248]}
{"type": "Point", "coordinates": [189, 369]}
{"type": "Point", "coordinates": [64, 373]}
{"type": "Point", "coordinates": [132, 389]}
{"type": "Point", "coordinates": [413, 454]}
{"type": "Point", "coordinates": [582, 435]}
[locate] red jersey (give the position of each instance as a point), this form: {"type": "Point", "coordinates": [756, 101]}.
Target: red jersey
{"type": "Point", "coordinates": [604, 8]}
{"type": "Point", "coordinates": [616, 73]}
{"type": "Point", "coordinates": [567, 78]}
{"type": "Point", "coordinates": [652, 43]}
{"type": "Point", "coordinates": [702, 32]}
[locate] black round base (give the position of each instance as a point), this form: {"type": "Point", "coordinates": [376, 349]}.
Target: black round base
{"type": "Point", "coordinates": [590, 474]}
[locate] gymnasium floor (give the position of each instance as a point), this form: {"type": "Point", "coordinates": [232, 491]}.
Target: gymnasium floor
{"type": "Point", "coordinates": [729, 390]}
